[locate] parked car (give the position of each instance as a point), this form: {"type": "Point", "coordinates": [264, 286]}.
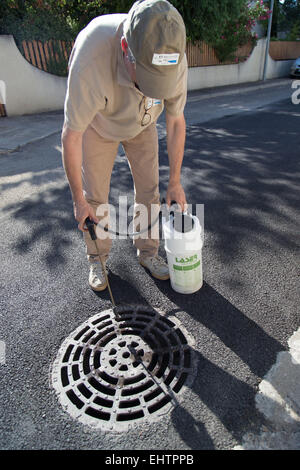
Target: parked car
{"type": "Point", "coordinates": [295, 69]}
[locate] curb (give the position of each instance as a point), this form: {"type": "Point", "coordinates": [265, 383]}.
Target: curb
{"type": "Point", "coordinates": [235, 91]}
{"type": "Point", "coordinates": [278, 400]}
{"type": "Point", "coordinates": [32, 141]}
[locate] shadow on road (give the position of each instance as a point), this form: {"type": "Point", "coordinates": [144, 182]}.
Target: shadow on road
{"type": "Point", "coordinates": [239, 333]}
{"type": "Point", "coordinates": [49, 226]}
{"type": "Point", "coordinates": [231, 400]}
{"type": "Point", "coordinates": [246, 172]}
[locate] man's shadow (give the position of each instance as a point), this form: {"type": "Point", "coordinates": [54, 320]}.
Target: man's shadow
{"type": "Point", "coordinates": [229, 396]}
{"type": "Point", "coordinates": [236, 331]}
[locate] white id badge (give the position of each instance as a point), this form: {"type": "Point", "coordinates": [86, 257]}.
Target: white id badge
{"type": "Point", "coordinates": [165, 59]}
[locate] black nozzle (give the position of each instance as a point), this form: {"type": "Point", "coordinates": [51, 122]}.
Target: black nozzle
{"type": "Point", "coordinates": [90, 226]}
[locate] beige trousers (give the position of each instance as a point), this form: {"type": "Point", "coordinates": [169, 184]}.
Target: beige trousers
{"type": "Point", "coordinates": [98, 159]}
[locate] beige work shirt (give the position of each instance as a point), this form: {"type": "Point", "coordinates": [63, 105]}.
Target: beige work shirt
{"type": "Point", "coordinates": [100, 92]}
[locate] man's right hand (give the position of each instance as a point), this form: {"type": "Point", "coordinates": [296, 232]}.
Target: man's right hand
{"type": "Point", "coordinates": [82, 210]}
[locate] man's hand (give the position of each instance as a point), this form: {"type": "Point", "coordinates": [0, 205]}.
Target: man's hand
{"type": "Point", "coordinates": [175, 192]}
{"type": "Point", "coordinates": [82, 210]}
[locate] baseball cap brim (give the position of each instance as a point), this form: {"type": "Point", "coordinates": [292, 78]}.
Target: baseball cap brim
{"type": "Point", "coordinates": [154, 84]}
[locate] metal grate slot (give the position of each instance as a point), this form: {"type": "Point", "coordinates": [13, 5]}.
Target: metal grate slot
{"type": "Point", "coordinates": [103, 325]}
{"type": "Point", "coordinates": [160, 339]}
{"type": "Point", "coordinates": [74, 399]}
{"type": "Point", "coordinates": [86, 362]}
{"type": "Point", "coordinates": [85, 391]}
{"type": "Point", "coordinates": [103, 402]}
{"type": "Point", "coordinates": [75, 372]}
{"type": "Point", "coordinates": [160, 404]}
{"type": "Point", "coordinates": [171, 376]}
{"type": "Point", "coordinates": [108, 339]}
{"type": "Point", "coordinates": [180, 383]}
{"type": "Point", "coordinates": [101, 335]}
{"type": "Point", "coordinates": [97, 414]}
{"type": "Point", "coordinates": [100, 320]}
{"type": "Point", "coordinates": [88, 337]}
{"type": "Point", "coordinates": [187, 358]}
{"type": "Point", "coordinates": [181, 336]}
{"type": "Point", "coordinates": [172, 339]}
{"type": "Point", "coordinates": [134, 380]}
{"type": "Point", "coordinates": [101, 388]}
{"type": "Point", "coordinates": [77, 353]}
{"type": "Point", "coordinates": [64, 376]}
{"type": "Point", "coordinates": [108, 378]}
{"type": "Point", "coordinates": [154, 394]}
{"type": "Point", "coordinates": [176, 358]}
{"type": "Point", "coordinates": [168, 322]}
{"type": "Point", "coordinates": [129, 403]}
{"type": "Point", "coordinates": [81, 333]}
{"type": "Point", "coordinates": [164, 364]}
{"type": "Point", "coordinates": [137, 390]}
{"type": "Point", "coordinates": [130, 416]}
{"type": "Point", "coordinates": [68, 353]}
{"type": "Point", "coordinates": [97, 362]}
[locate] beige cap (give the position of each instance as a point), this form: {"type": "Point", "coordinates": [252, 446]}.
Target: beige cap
{"type": "Point", "coordinates": [155, 33]}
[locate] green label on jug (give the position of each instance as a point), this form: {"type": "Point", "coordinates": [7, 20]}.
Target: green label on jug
{"type": "Point", "coordinates": [187, 260]}
{"type": "Point", "coordinates": [186, 268]}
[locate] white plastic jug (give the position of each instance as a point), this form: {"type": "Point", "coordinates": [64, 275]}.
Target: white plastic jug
{"type": "Point", "coordinates": [183, 245]}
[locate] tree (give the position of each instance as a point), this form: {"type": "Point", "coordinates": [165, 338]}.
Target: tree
{"type": "Point", "coordinates": [34, 19]}
{"type": "Point", "coordinates": [206, 20]}
{"type": "Point", "coordinates": [289, 19]}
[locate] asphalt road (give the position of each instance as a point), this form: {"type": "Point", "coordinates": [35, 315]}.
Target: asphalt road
{"type": "Point", "coordinates": [244, 166]}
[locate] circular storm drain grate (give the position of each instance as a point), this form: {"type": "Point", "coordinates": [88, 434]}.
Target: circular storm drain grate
{"type": "Point", "coordinates": [114, 373]}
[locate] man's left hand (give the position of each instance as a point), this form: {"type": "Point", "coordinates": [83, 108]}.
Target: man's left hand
{"type": "Point", "coordinates": [175, 192]}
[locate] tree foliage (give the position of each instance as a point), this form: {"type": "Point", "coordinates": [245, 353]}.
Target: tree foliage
{"type": "Point", "coordinates": [238, 31]}
{"type": "Point", "coordinates": [204, 19]}
{"type": "Point", "coordinates": [62, 19]}
{"type": "Point", "coordinates": [289, 18]}
{"type": "Point", "coordinates": [34, 19]}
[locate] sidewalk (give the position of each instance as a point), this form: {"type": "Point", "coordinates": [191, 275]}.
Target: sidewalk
{"type": "Point", "coordinates": [278, 399]}
{"type": "Point", "coordinates": [17, 131]}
